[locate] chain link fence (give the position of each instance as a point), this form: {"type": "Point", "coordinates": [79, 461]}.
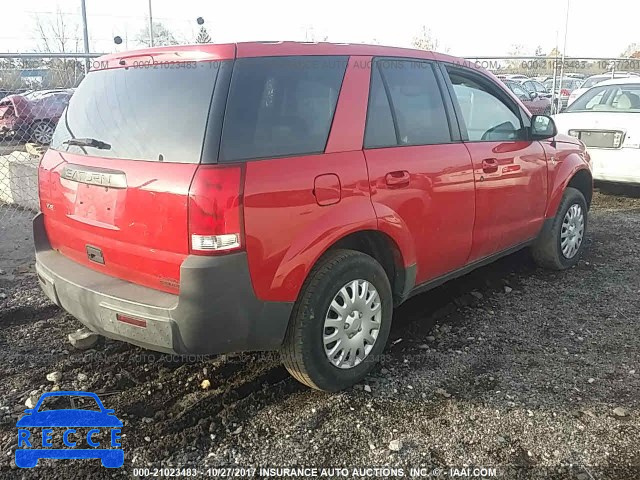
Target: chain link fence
{"type": "Point", "coordinates": [35, 89]}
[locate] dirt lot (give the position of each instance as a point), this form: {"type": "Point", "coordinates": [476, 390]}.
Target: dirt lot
{"type": "Point", "coordinates": [511, 367]}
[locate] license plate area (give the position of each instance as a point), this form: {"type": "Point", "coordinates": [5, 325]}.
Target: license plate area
{"type": "Point", "coordinates": [601, 138]}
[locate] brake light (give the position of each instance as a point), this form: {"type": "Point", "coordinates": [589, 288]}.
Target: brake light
{"type": "Point", "coordinates": [215, 210]}
{"type": "Point", "coordinates": [564, 92]}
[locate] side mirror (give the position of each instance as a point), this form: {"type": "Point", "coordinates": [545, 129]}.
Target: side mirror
{"type": "Point", "coordinates": [533, 95]}
{"type": "Point", "coordinates": [543, 127]}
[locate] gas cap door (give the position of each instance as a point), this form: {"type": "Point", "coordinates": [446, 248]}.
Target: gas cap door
{"type": "Point", "coordinates": [326, 189]}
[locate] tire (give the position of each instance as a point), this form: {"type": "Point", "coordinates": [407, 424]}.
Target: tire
{"type": "Point", "coordinates": [42, 132]}
{"type": "Point", "coordinates": [548, 250]}
{"type": "Point", "coordinates": [547, 111]}
{"type": "Point", "coordinates": [306, 350]}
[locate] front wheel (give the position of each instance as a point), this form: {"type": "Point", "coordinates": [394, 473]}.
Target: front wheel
{"type": "Point", "coordinates": [340, 323]}
{"type": "Point", "coordinates": [561, 241]}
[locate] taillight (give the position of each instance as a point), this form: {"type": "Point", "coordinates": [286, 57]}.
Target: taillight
{"type": "Point", "coordinates": [215, 210]}
{"type": "Point", "coordinates": [564, 92]}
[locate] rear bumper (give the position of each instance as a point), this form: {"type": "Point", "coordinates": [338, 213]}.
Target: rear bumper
{"type": "Point", "coordinates": [216, 311]}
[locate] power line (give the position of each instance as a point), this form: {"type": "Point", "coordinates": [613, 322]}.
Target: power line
{"type": "Point", "coordinates": [110, 15]}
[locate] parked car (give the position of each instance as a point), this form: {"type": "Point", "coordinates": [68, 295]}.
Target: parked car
{"type": "Point", "coordinates": [607, 120]}
{"type": "Point", "coordinates": [292, 196]}
{"type": "Point", "coordinates": [534, 86]}
{"type": "Point", "coordinates": [594, 80]}
{"type": "Point", "coordinates": [536, 104]}
{"type": "Point", "coordinates": [33, 116]}
{"type": "Point", "coordinates": [563, 91]}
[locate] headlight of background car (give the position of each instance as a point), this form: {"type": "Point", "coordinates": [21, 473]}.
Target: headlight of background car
{"type": "Point", "coordinates": [574, 133]}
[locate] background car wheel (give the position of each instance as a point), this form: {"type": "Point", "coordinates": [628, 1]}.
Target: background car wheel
{"type": "Point", "coordinates": [561, 241]}
{"type": "Point", "coordinates": [340, 323]}
{"type": "Point", "coordinates": [547, 111]}
{"type": "Point", "coordinates": [42, 132]}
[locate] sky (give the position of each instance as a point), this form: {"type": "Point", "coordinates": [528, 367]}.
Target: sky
{"type": "Point", "coordinates": [462, 27]}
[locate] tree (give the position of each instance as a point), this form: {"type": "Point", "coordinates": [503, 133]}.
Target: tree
{"type": "Point", "coordinates": [203, 36]}
{"type": "Point", "coordinates": [554, 53]}
{"type": "Point", "coordinates": [425, 40]}
{"type": "Point", "coordinates": [57, 34]}
{"type": "Point", "coordinates": [632, 51]}
{"type": "Point", "coordinates": [162, 36]}
{"type": "Point", "coordinates": [310, 35]}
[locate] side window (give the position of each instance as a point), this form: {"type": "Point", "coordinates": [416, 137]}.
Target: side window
{"type": "Point", "coordinates": [487, 118]}
{"type": "Point", "coordinates": [416, 102]}
{"type": "Point", "coordinates": [519, 91]}
{"type": "Point", "coordinates": [380, 130]}
{"type": "Point", "coordinates": [280, 106]}
{"type": "Point", "coordinates": [539, 87]}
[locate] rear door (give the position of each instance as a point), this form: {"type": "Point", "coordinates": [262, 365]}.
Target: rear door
{"type": "Point", "coordinates": [510, 170]}
{"type": "Point", "coordinates": [120, 206]}
{"type": "Point", "coordinates": [420, 173]}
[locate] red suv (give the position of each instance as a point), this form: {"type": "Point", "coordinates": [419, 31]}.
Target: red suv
{"type": "Point", "coordinates": [287, 196]}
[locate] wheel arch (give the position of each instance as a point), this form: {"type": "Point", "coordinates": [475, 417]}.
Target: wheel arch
{"type": "Point", "coordinates": [582, 180]}
{"type": "Point", "coordinates": [574, 173]}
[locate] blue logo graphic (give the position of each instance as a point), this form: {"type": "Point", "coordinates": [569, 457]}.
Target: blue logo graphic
{"type": "Point", "coordinates": [32, 448]}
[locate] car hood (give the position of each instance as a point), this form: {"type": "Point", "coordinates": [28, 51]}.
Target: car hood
{"type": "Point", "coordinates": [626, 122]}
{"type": "Point", "coordinates": [69, 418]}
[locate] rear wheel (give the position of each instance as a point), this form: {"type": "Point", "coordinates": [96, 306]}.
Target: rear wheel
{"type": "Point", "coordinates": [42, 132]}
{"type": "Point", "coordinates": [561, 241]}
{"type": "Point", "coordinates": [341, 322]}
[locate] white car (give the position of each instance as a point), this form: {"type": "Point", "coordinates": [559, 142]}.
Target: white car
{"type": "Point", "coordinates": [594, 80]}
{"type": "Point", "coordinates": [607, 120]}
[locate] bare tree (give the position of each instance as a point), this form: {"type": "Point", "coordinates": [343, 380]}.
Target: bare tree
{"type": "Point", "coordinates": [425, 40]}
{"type": "Point", "coordinates": [57, 34]}
{"type": "Point", "coordinates": [310, 35]}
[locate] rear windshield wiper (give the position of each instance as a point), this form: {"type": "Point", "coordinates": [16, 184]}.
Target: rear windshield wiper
{"type": "Point", "coordinates": [87, 142]}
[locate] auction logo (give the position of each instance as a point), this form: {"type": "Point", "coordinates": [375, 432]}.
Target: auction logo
{"type": "Point", "coordinates": [103, 435]}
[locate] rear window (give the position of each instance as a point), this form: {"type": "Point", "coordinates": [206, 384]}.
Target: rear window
{"type": "Point", "coordinates": [143, 113]}
{"type": "Point", "coordinates": [280, 106]}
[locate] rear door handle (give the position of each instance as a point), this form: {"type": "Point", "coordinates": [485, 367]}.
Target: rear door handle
{"type": "Point", "coordinates": [398, 179]}
{"type": "Point", "coordinates": [490, 165]}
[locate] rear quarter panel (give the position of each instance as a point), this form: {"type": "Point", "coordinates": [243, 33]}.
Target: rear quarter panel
{"type": "Point", "coordinates": [286, 230]}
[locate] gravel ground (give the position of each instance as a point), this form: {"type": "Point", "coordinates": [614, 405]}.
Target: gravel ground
{"type": "Point", "coordinates": [533, 373]}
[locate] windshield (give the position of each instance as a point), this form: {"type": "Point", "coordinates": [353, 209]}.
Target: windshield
{"type": "Point", "coordinates": [591, 81]}
{"type": "Point", "coordinates": [609, 98]}
{"type": "Point", "coordinates": [143, 113]}
{"type": "Point", "coordinates": [61, 402]}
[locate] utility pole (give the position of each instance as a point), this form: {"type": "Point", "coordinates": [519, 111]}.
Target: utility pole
{"type": "Point", "coordinates": [87, 64]}
{"type": "Point", "coordinates": [564, 51]}
{"type": "Point", "coordinates": [150, 26]}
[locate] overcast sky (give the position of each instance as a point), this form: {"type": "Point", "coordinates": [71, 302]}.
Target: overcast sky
{"type": "Point", "coordinates": [463, 27]}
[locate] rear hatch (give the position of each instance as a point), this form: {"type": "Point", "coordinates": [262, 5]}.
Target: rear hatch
{"type": "Point", "coordinates": [114, 186]}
